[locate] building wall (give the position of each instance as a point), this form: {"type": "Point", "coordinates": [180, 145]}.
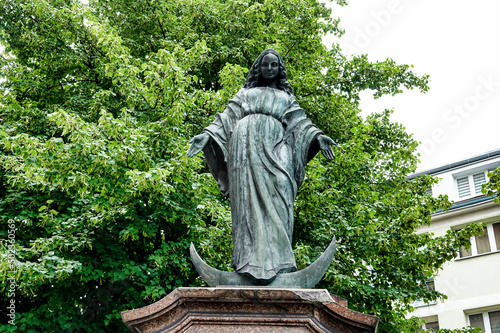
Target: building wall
{"type": "Point", "coordinates": [447, 183]}
{"type": "Point", "coordinates": [472, 284]}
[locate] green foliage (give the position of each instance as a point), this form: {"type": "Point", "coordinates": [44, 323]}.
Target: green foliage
{"type": "Point", "coordinates": [462, 330]}
{"type": "Point", "coordinates": [491, 188]}
{"type": "Point", "coordinates": [97, 104]}
{"type": "Point", "coordinates": [414, 325]}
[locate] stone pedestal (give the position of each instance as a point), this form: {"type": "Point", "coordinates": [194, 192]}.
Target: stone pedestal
{"type": "Point", "coordinates": [247, 310]}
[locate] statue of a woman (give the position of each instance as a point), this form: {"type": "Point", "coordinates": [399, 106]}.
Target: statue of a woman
{"type": "Point", "coordinates": [257, 150]}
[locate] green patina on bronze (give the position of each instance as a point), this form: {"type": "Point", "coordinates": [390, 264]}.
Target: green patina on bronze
{"type": "Point", "coordinates": [257, 150]}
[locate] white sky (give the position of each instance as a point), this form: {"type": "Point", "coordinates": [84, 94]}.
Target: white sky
{"type": "Point", "coordinates": [457, 42]}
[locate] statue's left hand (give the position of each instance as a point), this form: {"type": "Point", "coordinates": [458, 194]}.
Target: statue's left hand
{"type": "Point", "coordinates": [197, 144]}
{"type": "Point", "coordinates": [325, 145]}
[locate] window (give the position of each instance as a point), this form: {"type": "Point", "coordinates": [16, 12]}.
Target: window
{"type": "Point", "coordinates": [496, 233]}
{"type": "Point", "coordinates": [493, 179]}
{"type": "Point", "coordinates": [479, 180]}
{"type": "Point", "coordinates": [489, 241]}
{"type": "Point", "coordinates": [429, 285]}
{"type": "Point", "coordinates": [482, 242]}
{"type": "Point", "coordinates": [477, 321]}
{"type": "Point", "coordinates": [489, 322]}
{"type": "Point", "coordinates": [471, 184]}
{"type": "Point", "coordinates": [463, 187]}
{"type": "Point", "coordinates": [432, 325]}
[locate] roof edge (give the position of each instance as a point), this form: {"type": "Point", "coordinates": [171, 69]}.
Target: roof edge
{"type": "Point", "coordinates": [447, 167]}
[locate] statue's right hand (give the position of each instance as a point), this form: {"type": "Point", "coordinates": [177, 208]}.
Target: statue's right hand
{"type": "Point", "coordinates": [197, 144]}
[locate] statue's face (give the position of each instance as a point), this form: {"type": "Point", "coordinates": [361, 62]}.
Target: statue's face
{"type": "Point", "coordinates": [269, 67]}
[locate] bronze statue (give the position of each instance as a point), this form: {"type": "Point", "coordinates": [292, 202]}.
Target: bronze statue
{"type": "Point", "coordinates": [257, 150]}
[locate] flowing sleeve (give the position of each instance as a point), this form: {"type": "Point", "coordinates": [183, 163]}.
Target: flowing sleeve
{"type": "Point", "coordinates": [220, 134]}
{"type": "Point", "coordinates": [301, 135]}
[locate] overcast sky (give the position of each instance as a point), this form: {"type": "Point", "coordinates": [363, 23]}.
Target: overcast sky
{"type": "Point", "coordinates": [456, 42]}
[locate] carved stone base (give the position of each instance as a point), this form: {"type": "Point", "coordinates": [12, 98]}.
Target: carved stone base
{"type": "Point", "coordinates": [247, 310]}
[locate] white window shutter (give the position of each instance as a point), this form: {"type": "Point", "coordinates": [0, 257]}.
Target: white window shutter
{"type": "Point", "coordinates": [463, 187]}
{"type": "Point", "coordinates": [479, 180]}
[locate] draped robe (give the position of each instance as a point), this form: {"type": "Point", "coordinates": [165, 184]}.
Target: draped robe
{"type": "Point", "coordinates": [258, 150]}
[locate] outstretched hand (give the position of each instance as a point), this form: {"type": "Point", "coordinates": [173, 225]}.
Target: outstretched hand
{"type": "Point", "coordinates": [325, 145]}
{"type": "Point", "coordinates": [197, 144]}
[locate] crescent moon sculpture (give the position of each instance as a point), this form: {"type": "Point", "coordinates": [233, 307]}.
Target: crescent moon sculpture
{"type": "Point", "coordinates": [306, 278]}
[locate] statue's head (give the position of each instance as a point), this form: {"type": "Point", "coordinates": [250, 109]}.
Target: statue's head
{"type": "Point", "coordinates": [269, 65]}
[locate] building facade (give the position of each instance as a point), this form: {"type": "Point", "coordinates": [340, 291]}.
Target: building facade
{"type": "Point", "coordinates": [472, 280]}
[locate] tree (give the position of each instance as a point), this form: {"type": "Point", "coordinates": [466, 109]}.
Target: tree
{"type": "Point", "coordinates": [98, 103]}
{"type": "Point", "coordinates": [491, 188]}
